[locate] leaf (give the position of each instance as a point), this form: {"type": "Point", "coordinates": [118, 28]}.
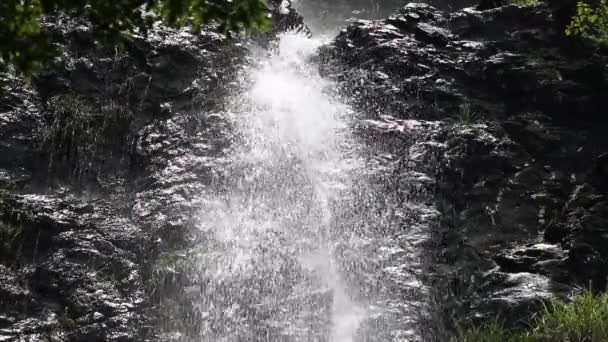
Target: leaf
{"type": "Point", "coordinates": [590, 23]}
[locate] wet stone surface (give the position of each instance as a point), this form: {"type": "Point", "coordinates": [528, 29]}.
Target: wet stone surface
{"type": "Point", "coordinates": [478, 186]}
{"type": "Point", "coordinates": [520, 146]}
{"type": "Point", "coordinates": [102, 159]}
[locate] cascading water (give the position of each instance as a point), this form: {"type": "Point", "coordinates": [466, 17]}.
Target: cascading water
{"type": "Point", "coordinates": [301, 240]}
{"type": "Point", "coordinates": [272, 227]}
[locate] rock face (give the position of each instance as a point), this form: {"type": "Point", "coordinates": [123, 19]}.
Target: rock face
{"type": "Point", "coordinates": [101, 159]}
{"type": "Point", "coordinates": [521, 174]}
{"type": "Point", "coordinates": [106, 156]}
{"type": "Point", "coordinates": [325, 15]}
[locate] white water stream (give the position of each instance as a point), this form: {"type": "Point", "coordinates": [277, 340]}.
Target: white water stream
{"type": "Point", "coordinates": [291, 165]}
{"type": "Point", "coordinates": [296, 245]}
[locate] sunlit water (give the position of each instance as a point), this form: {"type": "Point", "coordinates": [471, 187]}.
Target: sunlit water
{"type": "Point", "coordinates": [274, 225]}
{"type": "Point", "coordinates": [301, 241]}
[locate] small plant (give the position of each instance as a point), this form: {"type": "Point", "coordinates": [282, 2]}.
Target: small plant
{"type": "Point", "coordinates": [74, 117]}
{"type": "Point", "coordinates": [590, 23]}
{"type": "Point", "coordinates": [73, 132]}
{"type": "Point", "coordinates": [83, 136]}
{"type": "Point", "coordinates": [467, 115]}
{"type": "Point", "coordinates": [72, 110]}
{"type": "Point", "coordinates": [584, 319]}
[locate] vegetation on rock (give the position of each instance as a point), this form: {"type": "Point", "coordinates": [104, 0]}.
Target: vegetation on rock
{"type": "Point", "coordinates": [584, 319]}
{"type": "Point", "coordinates": [80, 132]}
{"type": "Point", "coordinates": [525, 2]}
{"type": "Point", "coordinates": [25, 45]}
{"type": "Point", "coordinates": [467, 116]}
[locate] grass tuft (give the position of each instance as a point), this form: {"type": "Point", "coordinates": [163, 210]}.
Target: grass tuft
{"type": "Point", "coordinates": [83, 139]}
{"type": "Point", "coordinates": [584, 319]}
{"type": "Point", "coordinates": [467, 116]}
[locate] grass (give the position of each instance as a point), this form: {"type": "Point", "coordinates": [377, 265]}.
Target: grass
{"type": "Point", "coordinates": [584, 319]}
{"type": "Point", "coordinates": [82, 136]}
{"type": "Point", "coordinates": [467, 115]}
{"type": "Point", "coordinates": [75, 128]}
{"type": "Point", "coordinates": [72, 113]}
{"type": "Point", "coordinates": [74, 119]}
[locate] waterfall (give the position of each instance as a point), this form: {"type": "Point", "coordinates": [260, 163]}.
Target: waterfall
{"type": "Point", "coordinates": [272, 228]}
{"type": "Point", "coordinates": [304, 236]}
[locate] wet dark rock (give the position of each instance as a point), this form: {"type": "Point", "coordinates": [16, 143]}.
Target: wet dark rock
{"type": "Point", "coordinates": [501, 61]}
{"type": "Point", "coordinates": [580, 230]}
{"type": "Point", "coordinates": [490, 4]}
{"type": "Point", "coordinates": [285, 17]}
{"type": "Point", "coordinates": [520, 296]}
{"type": "Point", "coordinates": [512, 128]}
{"type": "Point", "coordinates": [521, 164]}
{"type": "Point", "coordinates": [92, 192]}
{"type": "Point", "coordinates": [599, 175]}
{"type": "Point", "coordinates": [61, 265]}
{"type": "Point", "coordinates": [544, 259]}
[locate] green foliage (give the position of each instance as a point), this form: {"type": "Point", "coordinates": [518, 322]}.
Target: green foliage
{"type": "Point", "coordinates": [25, 46]}
{"type": "Point", "coordinates": [72, 111]}
{"type": "Point", "coordinates": [525, 2]}
{"type": "Point", "coordinates": [75, 120]}
{"type": "Point", "coordinates": [80, 133]}
{"type": "Point", "coordinates": [590, 23]}
{"type": "Point", "coordinates": [584, 319]}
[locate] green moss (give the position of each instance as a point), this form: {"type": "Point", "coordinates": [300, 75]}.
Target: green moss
{"type": "Point", "coordinates": [584, 319]}
{"type": "Point", "coordinates": [525, 2]}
